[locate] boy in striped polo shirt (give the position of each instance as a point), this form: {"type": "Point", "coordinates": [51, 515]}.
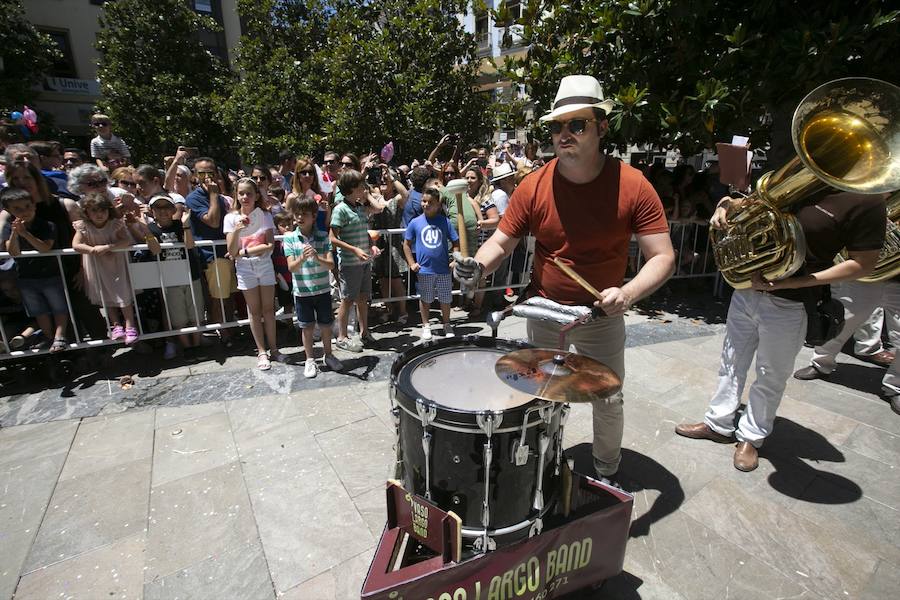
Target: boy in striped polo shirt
{"type": "Point", "coordinates": [308, 253]}
{"type": "Point", "coordinates": [350, 235]}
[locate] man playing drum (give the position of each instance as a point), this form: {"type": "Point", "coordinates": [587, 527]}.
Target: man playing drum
{"type": "Point", "coordinates": [583, 207]}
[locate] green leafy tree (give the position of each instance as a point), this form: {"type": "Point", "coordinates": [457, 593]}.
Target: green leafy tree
{"type": "Point", "coordinates": [25, 55]}
{"type": "Point", "coordinates": [688, 73]}
{"type": "Point", "coordinates": [160, 85]}
{"type": "Point", "coordinates": [401, 70]}
{"type": "Point", "coordinates": [275, 103]}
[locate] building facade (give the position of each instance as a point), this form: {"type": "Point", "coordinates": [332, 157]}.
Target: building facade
{"type": "Point", "coordinates": [495, 42]}
{"type": "Point", "coordinates": [70, 90]}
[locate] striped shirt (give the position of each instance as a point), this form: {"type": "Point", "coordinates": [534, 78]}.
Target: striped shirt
{"type": "Point", "coordinates": [354, 226]}
{"type": "Point", "coordinates": [101, 146]}
{"type": "Point", "coordinates": [311, 279]}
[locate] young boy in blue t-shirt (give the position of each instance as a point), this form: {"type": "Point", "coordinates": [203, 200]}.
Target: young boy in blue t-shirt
{"type": "Point", "coordinates": [430, 233]}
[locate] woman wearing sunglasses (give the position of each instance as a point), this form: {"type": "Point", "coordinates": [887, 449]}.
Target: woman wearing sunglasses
{"type": "Point", "coordinates": [305, 182]}
{"type": "Point", "coordinates": [583, 208]}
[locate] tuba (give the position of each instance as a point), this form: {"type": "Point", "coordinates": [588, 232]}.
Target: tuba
{"type": "Point", "coordinates": [846, 134]}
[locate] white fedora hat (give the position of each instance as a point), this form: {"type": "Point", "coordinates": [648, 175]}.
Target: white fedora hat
{"type": "Point", "coordinates": [577, 92]}
{"type": "Point", "coordinates": [502, 171]}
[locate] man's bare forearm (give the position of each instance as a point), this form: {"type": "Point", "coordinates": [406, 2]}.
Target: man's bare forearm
{"type": "Point", "coordinates": [655, 272]}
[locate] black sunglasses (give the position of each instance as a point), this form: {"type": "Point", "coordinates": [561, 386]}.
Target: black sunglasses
{"type": "Point", "coordinates": [101, 123]}
{"type": "Point", "coordinates": [346, 164]}
{"type": "Point", "coordinates": [575, 126]}
{"type": "Point", "coordinates": [330, 161]}
{"type": "Point", "coordinates": [258, 178]}
{"type": "Point", "coordinates": [310, 173]}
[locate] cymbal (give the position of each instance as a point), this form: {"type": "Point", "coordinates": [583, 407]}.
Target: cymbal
{"type": "Point", "coordinates": [557, 376]}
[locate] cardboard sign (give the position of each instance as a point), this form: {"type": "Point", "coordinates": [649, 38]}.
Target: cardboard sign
{"type": "Point", "coordinates": [437, 530]}
{"type": "Point", "coordinates": [576, 551]}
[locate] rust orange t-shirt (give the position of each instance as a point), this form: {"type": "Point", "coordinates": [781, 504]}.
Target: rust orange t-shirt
{"type": "Point", "coordinates": [588, 226]}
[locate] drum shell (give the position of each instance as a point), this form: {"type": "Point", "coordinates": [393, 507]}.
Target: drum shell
{"type": "Point", "coordinates": [457, 446]}
{"type": "Point", "coordinates": [457, 470]}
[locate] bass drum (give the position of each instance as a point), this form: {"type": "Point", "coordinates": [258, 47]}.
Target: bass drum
{"type": "Point", "coordinates": [473, 445]}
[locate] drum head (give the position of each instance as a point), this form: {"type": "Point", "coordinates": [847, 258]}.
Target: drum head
{"type": "Point", "coordinates": [464, 379]}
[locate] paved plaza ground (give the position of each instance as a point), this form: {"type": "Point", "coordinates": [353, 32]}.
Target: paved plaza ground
{"type": "Point", "coordinates": [209, 479]}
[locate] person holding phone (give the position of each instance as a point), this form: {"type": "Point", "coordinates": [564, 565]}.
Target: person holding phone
{"type": "Point", "coordinates": [208, 208]}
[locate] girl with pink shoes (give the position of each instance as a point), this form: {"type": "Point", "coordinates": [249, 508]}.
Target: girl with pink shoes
{"type": "Point", "coordinates": [105, 271]}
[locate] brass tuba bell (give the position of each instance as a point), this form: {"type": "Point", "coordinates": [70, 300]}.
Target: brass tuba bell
{"type": "Point", "coordinates": [847, 136]}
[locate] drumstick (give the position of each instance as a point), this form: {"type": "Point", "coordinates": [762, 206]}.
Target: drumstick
{"type": "Point", "coordinates": [463, 238]}
{"type": "Point", "coordinates": [461, 227]}
{"type": "Point", "coordinates": [577, 278]}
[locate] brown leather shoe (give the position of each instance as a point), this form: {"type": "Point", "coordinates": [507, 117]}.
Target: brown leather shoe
{"type": "Point", "coordinates": [809, 373]}
{"type": "Point", "coordinates": [701, 431]}
{"type": "Point", "coordinates": [746, 457]}
{"type": "Point", "coordinates": [882, 359]}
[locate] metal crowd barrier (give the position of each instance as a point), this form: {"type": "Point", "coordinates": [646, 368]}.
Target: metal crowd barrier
{"type": "Point", "coordinates": [686, 239]}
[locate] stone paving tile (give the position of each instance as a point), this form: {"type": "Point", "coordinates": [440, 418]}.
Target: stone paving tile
{"type": "Point", "coordinates": [876, 480]}
{"type": "Point", "coordinates": [172, 415]}
{"type": "Point", "coordinates": [864, 408]}
{"type": "Point", "coordinates": [113, 571]}
{"type": "Point", "coordinates": [90, 511]}
{"type": "Point", "coordinates": [835, 428]}
{"type": "Point", "coordinates": [55, 405]}
{"type": "Point", "coordinates": [699, 563]}
{"type": "Point", "coordinates": [580, 424]}
{"type": "Point", "coordinates": [861, 520]}
{"type": "Point", "coordinates": [341, 582]}
{"type": "Point", "coordinates": [376, 395]}
{"type": "Point", "coordinates": [192, 447]}
{"type": "Point", "coordinates": [237, 573]}
{"type": "Point", "coordinates": [884, 584]}
{"type": "Point", "coordinates": [812, 553]}
{"type": "Point", "coordinates": [635, 582]}
{"type": "Point", "coordinates": [695, 463]}
{"type": "Point", "coordinates": [875, 444]}
{"type": "Point", "coordinates": [249, 415]}
{"type": "Point", "coordinates": [654, 421]}
{"type": "Point", "coordinates": [287, 477]}
{"type": "Point", "coordinates": [104, 442]}
{"type": "Point", "coordinates": [372, 506]}
{"type": "Point", "coordinates": [27, 442]}
{"type": "Point", "coordinates": [195, 518]}
{"type": "Point", "coordinates": [25, 490]}
{"type": "Point", "coordinates": [361, 453]}
{"type": "Point", "coordinates": [325, 409]}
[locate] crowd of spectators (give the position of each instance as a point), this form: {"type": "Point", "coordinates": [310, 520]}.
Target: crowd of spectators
{"type": "Point", "coordinates": [221, 224]}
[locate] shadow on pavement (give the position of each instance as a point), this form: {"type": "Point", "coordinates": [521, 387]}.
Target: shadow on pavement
{"type": "Point", "coordinates": [366, 363]}
{"type": "Point", "coordinates": [691, 299]}
{"type": "Point", "coordinates": [787, 447]}
{"type": "Point", "coordinates": [639, 472]}
{"type": "Point", "coordinates": [858, 378]}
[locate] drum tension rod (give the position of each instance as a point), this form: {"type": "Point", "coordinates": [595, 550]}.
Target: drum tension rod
{"type": "Point", "coordinates": [427, 414]}
{"type": "Point", "coordinates": [563, 417]}
{"type": "Point", "coordinates": [487, 422]}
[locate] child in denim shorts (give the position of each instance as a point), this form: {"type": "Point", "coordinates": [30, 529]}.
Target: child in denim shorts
{"type": "Point", "coordinates": [40, 282]}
